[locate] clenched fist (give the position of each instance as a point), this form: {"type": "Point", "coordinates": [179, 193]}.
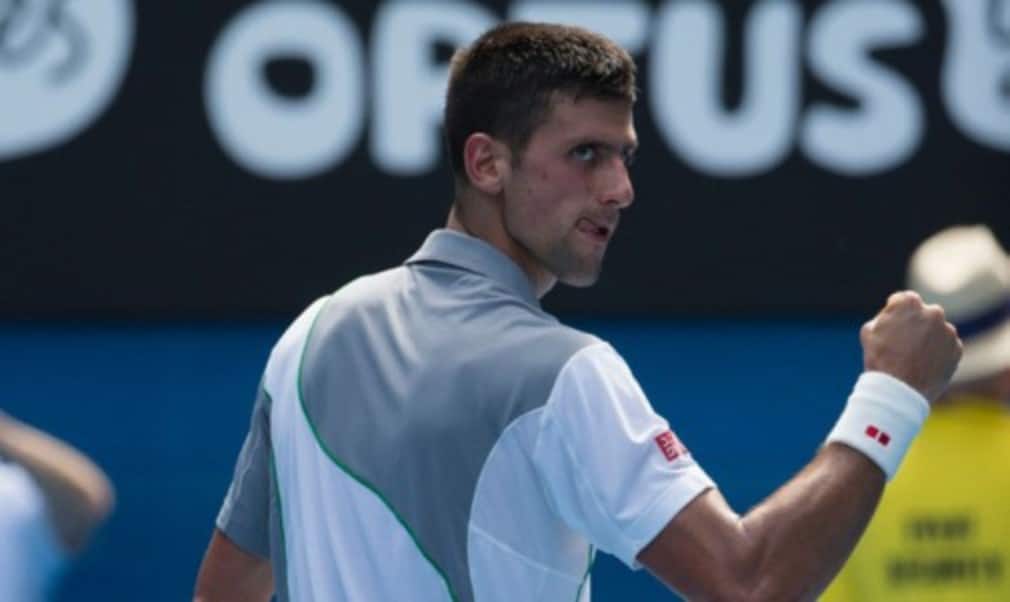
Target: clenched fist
{"type": "Point", "coordinates": [914, 342]}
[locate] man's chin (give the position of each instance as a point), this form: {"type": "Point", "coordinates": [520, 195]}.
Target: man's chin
{"type": "Point", "coordinates": [580, 279]}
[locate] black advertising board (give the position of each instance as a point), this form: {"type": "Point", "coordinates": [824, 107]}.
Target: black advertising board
{"type": "Point", "coordinates": [213, 159]}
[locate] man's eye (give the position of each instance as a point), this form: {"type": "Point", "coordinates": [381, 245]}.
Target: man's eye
{"type": "Point", "coordinates": [584, 152]}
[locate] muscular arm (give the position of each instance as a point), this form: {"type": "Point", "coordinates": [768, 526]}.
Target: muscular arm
{"type": "Point", "coordinates": [790, 546]}
{"type": "Point", "coordinates": [787, 548]}
{"type": "Point", "coordinates": [230, 574]}
{"type": "Point", "coordinates": [78, 494]}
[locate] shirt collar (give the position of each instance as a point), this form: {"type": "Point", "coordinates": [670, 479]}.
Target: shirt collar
{"type": "Point", "coordinates": [475, 255]}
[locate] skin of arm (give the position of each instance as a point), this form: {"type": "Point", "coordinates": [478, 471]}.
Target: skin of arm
{"type": "Point", "coordinates": [78, 494]}
{"type": "Point", "coordinates": [230, 574]}
{"type": "Point", "coordinates": [787, 548]}
{"type": "Point", "coordinates": [791, 545]}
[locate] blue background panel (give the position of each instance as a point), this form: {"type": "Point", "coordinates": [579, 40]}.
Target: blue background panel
{"type": "Point", "coordinates": [164, 409]}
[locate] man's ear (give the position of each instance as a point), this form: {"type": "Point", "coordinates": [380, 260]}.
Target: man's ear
{"type": "Point", "coordinates": [487, 162]}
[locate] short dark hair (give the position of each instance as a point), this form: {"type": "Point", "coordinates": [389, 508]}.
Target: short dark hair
{"type": "Point", "coordinates": [504, 83]}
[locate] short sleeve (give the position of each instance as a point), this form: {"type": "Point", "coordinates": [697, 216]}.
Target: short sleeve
{"type": "Point", "coordinates": [31, 555]}
{"type": "Point", "coordinates": [612, 468]}
{"type": "Point", "coordinates": [245, 513]}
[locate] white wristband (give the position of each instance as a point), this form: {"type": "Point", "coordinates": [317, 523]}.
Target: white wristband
{"type": "Point", "coordinates": [881, 418]}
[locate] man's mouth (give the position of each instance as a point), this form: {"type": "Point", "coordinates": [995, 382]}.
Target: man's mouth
{"type": "Point", "coordinates": [594, 229]}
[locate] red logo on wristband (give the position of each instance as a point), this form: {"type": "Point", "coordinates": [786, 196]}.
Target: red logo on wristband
{"type": "Point", "coordinates": [880, 436]}
{"type": "Point", "coordinates": [671, 447]}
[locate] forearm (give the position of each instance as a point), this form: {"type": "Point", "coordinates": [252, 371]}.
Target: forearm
{"type": "Point", "coordinates": [78, 494]}
{"type": "Point", "coordinates": [786, 548]}
{"type": "Point", "coordinates": [799, 538]}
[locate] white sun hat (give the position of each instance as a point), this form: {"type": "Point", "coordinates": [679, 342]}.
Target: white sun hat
{"type": "Point", "coordinates": [966, 271]}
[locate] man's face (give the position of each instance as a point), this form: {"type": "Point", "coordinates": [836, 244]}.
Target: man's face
{"type": "Point", "coordinates": [564, 195]}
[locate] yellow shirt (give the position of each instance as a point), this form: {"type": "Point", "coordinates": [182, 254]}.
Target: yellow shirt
{"type": "Point", "coordinates": [942, 531]}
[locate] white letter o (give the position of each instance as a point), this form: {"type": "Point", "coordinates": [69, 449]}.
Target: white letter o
{"type": "Point", "coordinates": [271, 135]}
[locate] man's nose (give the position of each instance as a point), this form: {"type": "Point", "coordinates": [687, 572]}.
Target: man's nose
{"type": "Point", "coordinates": [619, 190]}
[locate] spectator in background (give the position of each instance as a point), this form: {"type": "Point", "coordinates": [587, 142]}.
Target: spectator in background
{"type": "Point", "coordinates": [942, 531]}
{"type": "Point", "coordinates": [51, 499]}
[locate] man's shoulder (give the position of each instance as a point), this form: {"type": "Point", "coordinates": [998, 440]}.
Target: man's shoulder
{"type": "Point", "coordinates": [370, 286]}
{"type": "Point", "coordinates": [532, 344]}
{"type": "Point", "coordinates": [568, 339]}
{"type": "Point", "coordinates": [488, 323]}
{"type": "Point", "coordinates": [359, 291]}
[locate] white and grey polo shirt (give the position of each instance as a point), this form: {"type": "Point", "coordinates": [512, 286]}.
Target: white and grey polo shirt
{"type": "Point", "coordinates": [428, 433]}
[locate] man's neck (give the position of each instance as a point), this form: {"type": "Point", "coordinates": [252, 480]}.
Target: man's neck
{"type": "Point", "coordinates": [492, 231]}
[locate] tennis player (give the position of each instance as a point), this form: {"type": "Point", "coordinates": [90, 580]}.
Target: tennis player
{"type": "Point", "coordinates": [429, 433]}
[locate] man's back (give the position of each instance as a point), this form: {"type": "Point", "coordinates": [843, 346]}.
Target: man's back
{"type": "Point", "coordinates": [406, 381]}
{"type": "Point", "coordinates": [428, 433]}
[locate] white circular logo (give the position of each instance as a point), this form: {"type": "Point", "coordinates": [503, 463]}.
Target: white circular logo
{"type": "Point", "coordinates": [61, 64]}
{"type": "Point", "coordinates": [265, 132]}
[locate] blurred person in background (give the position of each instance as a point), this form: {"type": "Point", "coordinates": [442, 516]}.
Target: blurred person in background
{"type": "Point", "coordinates": [430, 433]}
{"type": "Point", "coordinates": [942, 532]}
{"type": "Point", "coordinates": [52, 498]}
